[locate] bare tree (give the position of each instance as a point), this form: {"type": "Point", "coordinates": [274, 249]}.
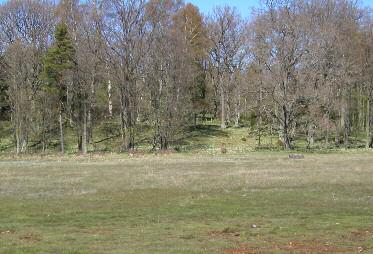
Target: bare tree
{"type": "Point", "coordinates": [283, 35]}
{"type": "Point", "coordinates": [169, 73]}
{"type": "Point", "coordinates": [123, 29]}
{"type": "Point", "coordinates": [26, 28]}
{"type": "Point", "coordinates": [226, 52]}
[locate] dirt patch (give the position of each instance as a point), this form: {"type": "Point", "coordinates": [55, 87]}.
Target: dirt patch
{"type": "Point", "coordinates": [360, 235]}
{"type": "Point", "coordinates": [31, 237]}
{"type": "Point", "coordinates": [301, 247]}
{"type": "Point", "coordinates": [225, 233]}
{"type": "Point", "coordinates": [232, 235]}
{"type": "Point", "coordinates": [312, 246]}
{"type": "Point", "coordinates": [242, 250]}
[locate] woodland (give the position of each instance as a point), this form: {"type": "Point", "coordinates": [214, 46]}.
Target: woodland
{"type": "Point", "coordinates": [145, 73]}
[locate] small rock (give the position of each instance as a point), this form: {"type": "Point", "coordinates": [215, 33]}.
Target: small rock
{"type": "Point", "coordinates": [296, 156]}
{"type": "Point", "coordinates": [253, 226]}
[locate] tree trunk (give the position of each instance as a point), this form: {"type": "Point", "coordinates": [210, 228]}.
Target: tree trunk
{"type": "Point", "coordinates": [260, 131]}
{"type": "Point", "coordinates": [338, 129]}
{"type": "Point", "coordinates": [88, 117]}
{"type": "Point", "coordinates": [89, 125]}
{"type": "Point", "coordinates": [346, 123]}
{"type": "Point", "coordinates": [222, 103]}
{"type": "Point", "coordinates": [286, 138]}
{"type": "Point", "coordinates": [271, 135]}
{"type": "Point", "coordinates": [327, 129]}
{"type": "Point", "coordinates": [260, 120]}
{"type": "Point", "coordinates": [127, 119]}
{"type": "Point", "coordinates": [110, 103]}
{"type": "Point", "coordinates": [287, 143]}
{"type": "Point", "coordinates": [361, 104]}
{"type": "Point", "coordinates": [20, 132]}
{"type": "Point", "coordinates": [164, 142]}
{"type": "Point", "coordinates": [18, 150]}
{"type": "Point", "coordinates": [43, 138]}
{"type": "Point", "coordinates": [130, 138]}
{"type": "Point", "coordinates": [238, 113]}
{"type": "Point", "coordinates": [311, 136]}
{"type": "Point", "coordinates": [237, 119]}
{"type": "Point", "coordinates": [68, 105]}
{"type": "Point", "coordinates": [61, 131]}
{"type": "Point", "coordinates": [80, 138]}
{"type": "Point", "coordinates": [44, 124]}
{"type": "Point", "coordinates": [369, 142]}
{"type": "Point", "coordinates": [84, 136]}
{"type": "Point", "coordinates": [122, 119]}
{"type": "Point", "coordinates": [24, 144]}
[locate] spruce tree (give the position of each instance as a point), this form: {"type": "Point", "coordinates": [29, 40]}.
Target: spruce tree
{"type": "Point", "coordinates": [58, 60]}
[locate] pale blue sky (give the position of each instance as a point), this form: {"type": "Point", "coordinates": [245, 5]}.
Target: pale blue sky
{"type": "Point", "coordinates": [243, 6]}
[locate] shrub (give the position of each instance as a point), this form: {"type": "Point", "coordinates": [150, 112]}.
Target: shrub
{"type": "Point", "coordinates": [223, 150]}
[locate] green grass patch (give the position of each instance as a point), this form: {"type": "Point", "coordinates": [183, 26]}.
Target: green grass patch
{"type": "Point", "coordinates": [257, 203]}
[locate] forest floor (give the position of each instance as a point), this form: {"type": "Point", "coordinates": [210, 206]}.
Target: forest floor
{"type": "Point", "coordinates": [261, 202]}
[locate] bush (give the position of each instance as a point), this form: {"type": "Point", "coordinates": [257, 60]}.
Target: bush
{"type": "Point", "coordinates": [224, 150]}
{"type": "Point", "coordinates": [280, 143]}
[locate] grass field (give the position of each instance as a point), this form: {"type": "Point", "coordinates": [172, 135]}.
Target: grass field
{"type": "Point", "coordinates": [253, 203]}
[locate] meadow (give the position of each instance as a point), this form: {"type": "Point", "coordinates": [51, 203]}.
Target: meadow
{"type": "Point", "coordinates": [258, 202]}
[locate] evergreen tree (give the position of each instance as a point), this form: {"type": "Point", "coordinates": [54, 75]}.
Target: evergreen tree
{"type": "Point", "coordinates": [58, 61]}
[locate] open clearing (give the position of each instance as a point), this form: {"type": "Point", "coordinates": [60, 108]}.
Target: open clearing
{"type": "Point", "coordinates": [254, 203]}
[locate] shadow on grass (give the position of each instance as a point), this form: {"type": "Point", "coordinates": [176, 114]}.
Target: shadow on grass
{"type": "Point", "coordinates": [196, 137]}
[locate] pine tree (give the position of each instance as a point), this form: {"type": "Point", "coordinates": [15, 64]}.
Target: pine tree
{"type": "Point", "coordinates": [57, 62]}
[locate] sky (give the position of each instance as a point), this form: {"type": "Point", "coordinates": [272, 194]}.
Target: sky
{"type": "Point", "coordinates": [243, 6]}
